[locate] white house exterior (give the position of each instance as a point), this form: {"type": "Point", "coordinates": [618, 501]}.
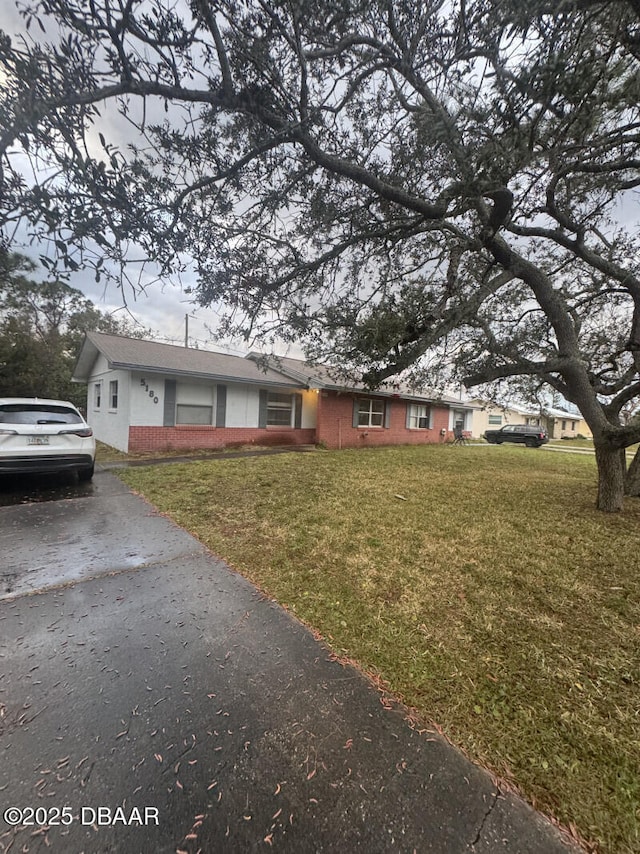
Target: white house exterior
{"type": "Point", "coordinates": [144, 396]}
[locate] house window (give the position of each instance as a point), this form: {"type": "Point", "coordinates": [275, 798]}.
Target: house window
{"type": "Point", "coordinates": [97, 395]}
{"type": "Point", "coordinates": [534, 422]}
{"type": "Point", "coordinates": [194, 404]}
{"type": "Point", "coordinates": [370, 413]}
{"type": "Point", "coordinates": [459, 419]}
{"type": "Point", "coordinates": [279, 409]}
{"type": "Point", "coordinates": [495, 419]}
{"type": "Point", "coordinates": [564, 425]}
{"type": "Point", "coordinates": [189, 413]}
{"type": "Point", "coordinates": [573, 426]}
{"type": "Point", "coordinates": [418, 417]}
{"type": "Point", "coordinates": [113, 394]}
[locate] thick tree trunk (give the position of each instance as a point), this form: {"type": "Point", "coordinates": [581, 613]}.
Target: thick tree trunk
{"type": "Point", "coordinates": [632, 478]}
{"type": "Point", "coordinates": [610, 478]}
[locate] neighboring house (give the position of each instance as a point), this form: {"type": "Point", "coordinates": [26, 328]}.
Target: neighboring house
{"type": "Point", "coordinates": [143, 396]}
{"type": "Point", "coordinates": [492, 416]}
{"type": "Point", "coordinates": [562, 424]}
{"type": "Point", "coordinates": [559, 423]}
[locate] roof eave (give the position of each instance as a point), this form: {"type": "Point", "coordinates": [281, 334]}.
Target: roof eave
{"type": "Point", "coordinates": [154, 369]}
{"type": "Point", "coordinates": [85, 360]}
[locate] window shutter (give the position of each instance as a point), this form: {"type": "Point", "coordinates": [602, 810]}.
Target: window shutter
{"type": "Point", "coordinates": [387, 414]}
{"type": "Point", "coordinates": [297, 418]}
{"type": "Point", "coordinates": [221, 405]}
{"type": "Point", "coordinates": [262, 409]}
{"type": "Point", "coordinates": [355, 413]}
{"type": "Point", "coordinates": [429, 418]}
{"type": "Point", "coordinates": [169, 419]}
{"type": "Point", "coordinates": [407, 423]}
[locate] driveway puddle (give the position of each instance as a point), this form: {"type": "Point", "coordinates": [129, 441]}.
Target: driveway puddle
{"type": "Point", "coordinates": [35, 489]}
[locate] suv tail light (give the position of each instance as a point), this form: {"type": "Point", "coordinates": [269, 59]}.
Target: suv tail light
{"type": "Point", "coordinates": [83, 432]}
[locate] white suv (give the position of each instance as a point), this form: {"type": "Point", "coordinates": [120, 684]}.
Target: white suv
{"type": "Point", "coordinates": [38, 435]}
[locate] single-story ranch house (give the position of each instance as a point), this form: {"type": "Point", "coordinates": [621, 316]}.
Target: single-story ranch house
{"type": "Point", "coordinates": [145, 396]}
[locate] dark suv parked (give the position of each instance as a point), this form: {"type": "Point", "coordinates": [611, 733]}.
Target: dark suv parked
{"type": "Point", "coordinates": [530, 435]}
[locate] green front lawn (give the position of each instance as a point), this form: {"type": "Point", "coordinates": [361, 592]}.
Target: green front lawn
{"type": "Point", "coordinates": [479, 584]}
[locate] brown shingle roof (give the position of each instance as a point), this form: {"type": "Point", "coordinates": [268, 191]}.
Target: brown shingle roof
{"type": "Point", "coordinates": [323, 376]}
{"type": "Point", "coordinates": [150, 356]}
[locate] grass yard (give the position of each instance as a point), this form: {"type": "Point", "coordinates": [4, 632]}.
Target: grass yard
{"type": "Point", "coordinates": [480, 584]}
{"type": "Point", "coordinates": [572, 443]}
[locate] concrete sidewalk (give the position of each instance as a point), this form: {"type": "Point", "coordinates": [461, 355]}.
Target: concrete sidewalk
{"type": "Point", "coordinates": [155, 677]}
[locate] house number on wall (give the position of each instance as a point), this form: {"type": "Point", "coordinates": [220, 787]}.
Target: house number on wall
{"type": "Point", "coordinates": [152, 393]}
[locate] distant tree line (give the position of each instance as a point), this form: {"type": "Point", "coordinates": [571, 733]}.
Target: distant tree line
{"type": "Point", "coordinates": [42, 326]}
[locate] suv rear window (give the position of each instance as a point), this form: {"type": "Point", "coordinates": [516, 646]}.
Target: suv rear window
{"type": "Point", "coordinates": [21, 413]}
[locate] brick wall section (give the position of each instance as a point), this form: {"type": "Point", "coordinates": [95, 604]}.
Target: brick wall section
{"type": "Point", "coordinates": [335, 430]}
{"type": "Point", "coordinates": [335, 420]}
{"type": "Point", "coordinates": [192, 437]}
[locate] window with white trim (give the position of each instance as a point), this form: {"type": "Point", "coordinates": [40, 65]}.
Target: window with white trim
{"type": "Point", "coordinates": [495, 419]}
{"type": "Point", "coordinates": [113, 394]}
{"type": "Point", "coordinates": [279, 409]}
{"type": "Point", "coordinates": [370, 413]}
{"type": "Point", "coordinates": [97, 395]}
{"type": "Point", "coordinates": [418, 416]}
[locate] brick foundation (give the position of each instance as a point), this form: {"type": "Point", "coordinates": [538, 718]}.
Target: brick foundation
{"type": "Point", "coordinates": [192, 437]}
{"type": "Point", "coordinates": [335, 430]}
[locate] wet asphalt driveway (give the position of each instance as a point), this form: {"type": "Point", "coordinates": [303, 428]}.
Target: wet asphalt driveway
{"type": "Point", "coordinates": [140, 675]}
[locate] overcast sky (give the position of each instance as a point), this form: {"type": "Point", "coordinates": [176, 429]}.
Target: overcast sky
{"type": "Point", "coordinates": [161, 306]}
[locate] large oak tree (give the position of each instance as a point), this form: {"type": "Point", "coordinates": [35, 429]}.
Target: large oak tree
{"type": "Point", "coordinates": [383, 179]}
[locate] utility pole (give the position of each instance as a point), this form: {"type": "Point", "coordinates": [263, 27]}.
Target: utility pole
{"type": "Point", "coordinates": [186, 330]}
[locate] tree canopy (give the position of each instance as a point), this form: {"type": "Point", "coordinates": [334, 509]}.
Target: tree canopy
{"type": "Point", "coordinates": [376, 178]}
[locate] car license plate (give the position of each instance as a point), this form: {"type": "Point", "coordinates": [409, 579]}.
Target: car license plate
{"type": "Point", "coordinates": [38, 440]}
